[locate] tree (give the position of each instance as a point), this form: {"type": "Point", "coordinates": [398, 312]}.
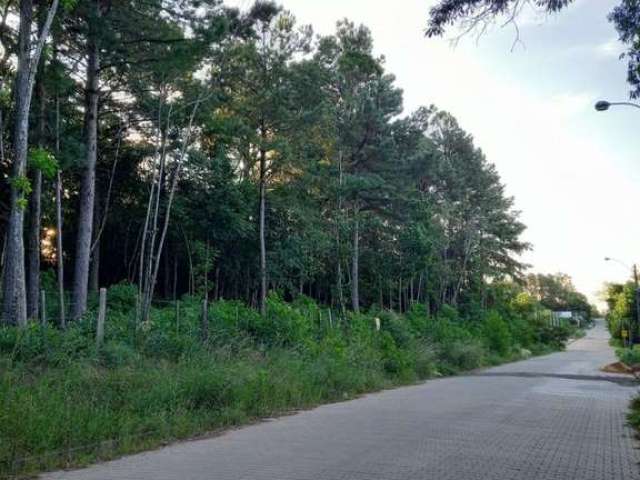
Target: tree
{"type": "Point", "coordinates": [259, 67]}
{"type": "Point", "coordinates": [14, 293]}
{"type": "Point", "coordinates": [478, 14]}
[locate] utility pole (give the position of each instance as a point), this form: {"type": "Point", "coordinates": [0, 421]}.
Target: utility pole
{"type": "Point", "coordinates": [637, 302]}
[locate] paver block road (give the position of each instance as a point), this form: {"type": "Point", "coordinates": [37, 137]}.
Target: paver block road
{"type": "Point", "coordinates": [555, 417]}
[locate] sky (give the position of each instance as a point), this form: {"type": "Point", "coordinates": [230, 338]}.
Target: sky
{"type": "Point", "coordinates": [574, 172]}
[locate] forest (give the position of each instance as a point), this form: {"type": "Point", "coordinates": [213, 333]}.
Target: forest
{"type": "Point", "coordinates": [273, 228]}
{"type": "Point", "coordinates": [188, 147]}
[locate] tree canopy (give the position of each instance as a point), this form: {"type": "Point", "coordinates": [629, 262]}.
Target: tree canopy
{"type": "Point", "coordinates": [197, 149]}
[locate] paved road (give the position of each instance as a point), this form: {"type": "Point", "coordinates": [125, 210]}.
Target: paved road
{"type": "Point", "coordinates": [549, 418]}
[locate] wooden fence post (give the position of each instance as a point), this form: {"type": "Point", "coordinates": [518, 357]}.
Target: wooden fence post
{"type": "Point", "coordinates": [205, 319]}
{"type": "Point", "coordinates": [102, 312]}
{"type": "Point", "coordinates": [43, 308]}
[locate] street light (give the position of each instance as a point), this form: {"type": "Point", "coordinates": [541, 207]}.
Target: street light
{"type": "Point", "coordinates": [634, 269]}
{"type": "Point", "coordinates": [603, 105]}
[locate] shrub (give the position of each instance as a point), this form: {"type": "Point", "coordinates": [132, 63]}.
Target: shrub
{"type": "Point", "coordinates": [164, 381]}
{"type": "Point", "coordinates": [122, 297]}
{"type": "Point", "coordinates": [283, 324]}
{"type": "Point", "coordinates": [629, 356]}
{"type": "Point", "coordinates": [398, 327]}
{"type": "Point", "coordinates": [117, 354]}
{"type": "Point", "coordinates": [462, 355]}
{"type": "Point", "coordinates": [496, 333]}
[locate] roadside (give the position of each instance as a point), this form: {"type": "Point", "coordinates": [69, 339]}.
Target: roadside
{"type": "Point", "coordinates": [554, 416]}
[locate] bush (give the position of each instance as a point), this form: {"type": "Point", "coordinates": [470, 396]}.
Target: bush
{"type": "Point", "coordinates": [629, 356]}
{"type": "Point", "coordinates": [122, 297]}
{"type": "Point", "coordinates": [165, 382]}
{"type": "Point", "coordinates": [117, 354]}
{"type": "Point", "coordinates": [461, 355]}
{"type": "Point", "coordinates": [496, 333]}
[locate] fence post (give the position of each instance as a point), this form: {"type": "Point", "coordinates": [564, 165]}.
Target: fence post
{"type": "Point", "coordinates": [330, 320]}
{"type": "Point", "coordinates": [102, 312]}
{"type": "Point", "coordinates": [205, 319]}
{"type": "Point", "coordinates": [43, 308]}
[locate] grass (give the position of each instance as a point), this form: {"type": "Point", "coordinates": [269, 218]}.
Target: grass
{"type": "Point", "coordinates": [65, 403]}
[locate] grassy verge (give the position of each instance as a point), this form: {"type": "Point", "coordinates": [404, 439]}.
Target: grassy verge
{"type": "Point", "coordinates": [63, 403]}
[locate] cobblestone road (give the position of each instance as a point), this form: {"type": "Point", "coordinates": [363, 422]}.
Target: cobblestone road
{"type": "Point", "coordinates": [550, 418]}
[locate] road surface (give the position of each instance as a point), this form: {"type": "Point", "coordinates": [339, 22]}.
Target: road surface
{"type": "Point", "coordinates": [555, 417]}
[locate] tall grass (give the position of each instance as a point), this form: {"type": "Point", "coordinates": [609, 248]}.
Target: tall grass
{"type": "Point", "coordinates": [63, 402]}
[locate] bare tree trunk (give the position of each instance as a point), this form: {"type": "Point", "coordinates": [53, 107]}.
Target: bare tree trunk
{"type": "Point", "coordinates": [33, 248]}
{"type": "Point", "coordinates": [263, 246]}
{"type": "Point", "coordinates": [339, 262]}
{"type": "Point", "coordinates": [59, 250]}
{"type": "Point", "coordinates": [156, 252]}
{"type": "Point", "coordinates": [94, 268]}
{"type": "Point", "coordinates": [35, 202]}
{"type": "Point", "coordinates": [411, 291]}
{"type": "Point", "coordinates": [88, 182]}
{"type": "Point", "coordinates": [216, 291]}
{"type": "Point", "coordinates": [14, 307]}
{"type": "Point", "coordinates": [355, 294]}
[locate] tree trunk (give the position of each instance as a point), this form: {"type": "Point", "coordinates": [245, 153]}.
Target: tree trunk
{"type": "Point", "coordinates": [94, 268]}
{"type": "Point", "coordinates": [14, 307]}
{"type": "Point", "coordinates": [35, 202]}
{"type": "Point", "coordinates": [263, 246]}
{"type": "Point", "coordinates": [339, 262]}
{"type": "Point", "coordinates": [59, 251]}
{"type": "Point", "coordinates": [94, 276]}
{"type": "Point", "coordinates": [33, 248]}
{"type": "Point", "coordinates": [88, 182]}
{"type": "Point", "coordinates": [216, 288]}
{"type": "Point", "coordinates": [355, 295]}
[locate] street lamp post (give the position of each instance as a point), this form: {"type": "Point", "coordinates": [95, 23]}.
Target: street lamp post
{"type": "Point", "coordinates": [636, 292]}
{"type": "Point", "coordinates": [603, 105]}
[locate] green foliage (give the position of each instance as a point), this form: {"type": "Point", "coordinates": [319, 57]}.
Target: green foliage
{"type": "Point", "coordinates": [497, 334]}
{"type": "Point", "coordinates": [164, 381]}
{"type": "Point", "coordinates": [22, 184]}
{"type": "Point", "coordinates": [122, 297]}
{"type": "Point", "coordinates": [621, 302]}
{"type": "Point", "coordinates": [43, 160]}
{"type": "Point", "coordinates": [460, 355]}
{"type": "Point", "coordinates": [629, 356]}
{"type": "Point", "coordinates": [68, 5]}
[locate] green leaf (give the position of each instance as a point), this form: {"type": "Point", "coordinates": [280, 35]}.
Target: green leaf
{"type": "Point", "coordinates": [43, 160]}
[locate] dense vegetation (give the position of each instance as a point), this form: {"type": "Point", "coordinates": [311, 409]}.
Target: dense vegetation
{"type": "Point", "coordinates": [234, 153]}
{"type": "Point", "coordinates": [180, 152]}
{"type": "Point", "coordinates": [65, 402]}
{"type": "Point", "coordinates": [621, 310]}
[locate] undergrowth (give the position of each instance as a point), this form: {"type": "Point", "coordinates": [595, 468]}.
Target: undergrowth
{"type": "Point", "coordinates": [66, 402]}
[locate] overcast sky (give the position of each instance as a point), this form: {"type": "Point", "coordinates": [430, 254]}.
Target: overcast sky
{"type": "Point", "coordinates": [574, 172]}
